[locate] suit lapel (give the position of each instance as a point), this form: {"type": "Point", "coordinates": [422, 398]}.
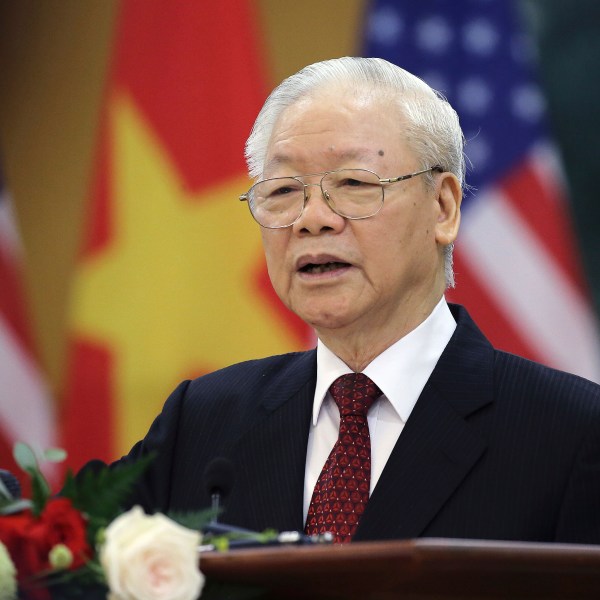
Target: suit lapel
{"type": "Point", "coordinates": [270, 453]}
{"type": "Point", "coordinates": [438, 446]}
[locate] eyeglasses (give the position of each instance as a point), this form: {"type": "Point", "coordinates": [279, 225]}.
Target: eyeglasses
{"type": "Point", "coordinates": [351, 193]}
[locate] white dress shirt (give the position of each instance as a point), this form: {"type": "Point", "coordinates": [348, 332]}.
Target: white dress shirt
{"type": "Point", "coordinates": [401, 373]}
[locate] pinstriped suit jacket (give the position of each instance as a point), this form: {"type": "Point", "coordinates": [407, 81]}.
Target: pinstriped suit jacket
{"type": "Point", "coordinates": [497, 447]}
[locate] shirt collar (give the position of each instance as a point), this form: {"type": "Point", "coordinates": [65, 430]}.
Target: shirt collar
{"type": "Point", "coordinates": [402, 370]}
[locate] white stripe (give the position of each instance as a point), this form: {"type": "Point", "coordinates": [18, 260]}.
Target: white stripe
{"type": "Point", "coordinates": [532, 292]}
{"type": "Point", "coordinates": [546, 162]}
{"type": "Point", "coordinates": [25, 410]}
{"type": "Point", "coordinates": [9, 239]}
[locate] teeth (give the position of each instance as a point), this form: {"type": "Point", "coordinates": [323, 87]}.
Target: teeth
{"type": "Point", "coordinates": [324, 267]}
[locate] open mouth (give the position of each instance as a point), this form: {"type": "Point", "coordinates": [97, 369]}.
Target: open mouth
{"type": "Point", "coordinates": [316, 269]}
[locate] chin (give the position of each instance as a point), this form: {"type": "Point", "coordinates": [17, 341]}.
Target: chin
{"type": "Point", "coordinates": [321, 314]}
{"type": "Point", "coordinates": [326, 320]}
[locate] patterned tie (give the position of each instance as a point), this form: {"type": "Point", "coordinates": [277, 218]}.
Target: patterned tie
{"type": "Point", "coordinates": [342, 490]}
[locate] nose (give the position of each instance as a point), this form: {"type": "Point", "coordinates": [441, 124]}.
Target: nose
{"type": "Point", "coordinates": [317, 215]}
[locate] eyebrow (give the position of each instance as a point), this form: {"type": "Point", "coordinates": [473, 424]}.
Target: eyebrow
{"type": "Point", "coordinates": [277, 160]}
{"type": "Point", "coordinates": [352, 154]}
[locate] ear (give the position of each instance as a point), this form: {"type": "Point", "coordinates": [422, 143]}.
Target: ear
{"type": "Point", "coordinates": [449, 197]}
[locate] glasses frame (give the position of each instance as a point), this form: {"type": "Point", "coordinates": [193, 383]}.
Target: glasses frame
{"type": "Point", "coordinates": [382, 181]}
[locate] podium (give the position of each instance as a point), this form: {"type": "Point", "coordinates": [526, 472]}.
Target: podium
{"type": "Point", "coordinates": [420, 569]}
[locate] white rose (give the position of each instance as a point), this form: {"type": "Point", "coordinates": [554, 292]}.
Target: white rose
{"type": "Point", "coordinates": [8, 573]}
{"type": "Point", "coordinates": [151, 558]}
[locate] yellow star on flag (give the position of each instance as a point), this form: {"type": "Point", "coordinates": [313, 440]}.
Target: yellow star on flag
{"type": "Point", "coordinates": [174, 293]}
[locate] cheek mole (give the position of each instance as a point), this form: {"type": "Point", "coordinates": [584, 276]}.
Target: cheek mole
{"type": "Point", "coordinates": [381, 153]}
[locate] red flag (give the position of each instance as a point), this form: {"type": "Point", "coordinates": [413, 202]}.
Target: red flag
{"type": "Point", "coordinates": [171, 282]}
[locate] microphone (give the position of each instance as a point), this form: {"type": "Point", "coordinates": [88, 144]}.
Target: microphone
{"type": "Point", "coordinates": [11, 484]}
{"type": "Point", "coordinates": [219, 477]}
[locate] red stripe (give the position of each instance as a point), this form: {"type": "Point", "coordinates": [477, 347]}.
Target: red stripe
{"type": "Point", "coordinates": [296, 326]}
{"type": "Point", "coordinates": [99, 218]}
{"type": "Point", "coordinates": [541, 205]}
{"type": "Point", "coordinates": [486, 312]}
{"type": "Point", "coordinates": [194, 70]}
{"type": "Point", "coordinates": [88, 406]}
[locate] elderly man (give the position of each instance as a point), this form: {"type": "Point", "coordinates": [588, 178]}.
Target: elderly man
{"type": "Point", "coordinates": [404, 421]}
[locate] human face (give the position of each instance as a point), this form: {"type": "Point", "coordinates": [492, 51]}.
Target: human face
{"type": "Point", "coordinates": [379, 276]}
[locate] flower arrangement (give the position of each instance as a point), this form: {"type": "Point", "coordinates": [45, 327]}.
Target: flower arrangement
{"type": "Point", "coordinates": [80, 545]}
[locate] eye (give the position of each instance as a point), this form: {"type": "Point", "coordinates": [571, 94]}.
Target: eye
{"type": "Point", "coordinates": [351, 182]}
{"type": "Point", "coordinates": [273, 189]}
{"type": "Point", "coordinates": [356, 184]}
{"type": "Point", "coordinates": [282, 190]}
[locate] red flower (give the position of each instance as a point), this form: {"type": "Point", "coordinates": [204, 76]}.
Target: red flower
{"type": "Point", "coordinates": [29, 559]}
{"type": "Point", "coordinates": [30, 539]}
{"type": "Point", "coordinates": [64, 524]}
{"type": "Point", "coordinates": [14, 534]}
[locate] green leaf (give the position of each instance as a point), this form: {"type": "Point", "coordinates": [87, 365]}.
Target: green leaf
{"type": "Point", "coordinates": [55, 455]}
{"type": "Point", "coordinates": [25, 457]}
{"type": "Point", "coordinates": [40, 491]}
{"type": "Point", "coordinates": [221, 543]}
{"type": "Point", "coordinates": [101, 492]}
{"type": "Point", "coordinates": [267, 535]}
{"type": "Point", "coordinates": [9, 507]}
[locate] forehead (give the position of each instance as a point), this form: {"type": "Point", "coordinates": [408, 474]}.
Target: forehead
{"type": "Point", "coordinates": [338, 127]}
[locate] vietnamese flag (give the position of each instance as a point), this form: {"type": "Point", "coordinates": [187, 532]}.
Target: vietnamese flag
{"type": "Point", "coordinates": [171, 281]}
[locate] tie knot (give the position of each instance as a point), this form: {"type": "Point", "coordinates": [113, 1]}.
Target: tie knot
{"type": "Point", "coordinates": [354, 394]}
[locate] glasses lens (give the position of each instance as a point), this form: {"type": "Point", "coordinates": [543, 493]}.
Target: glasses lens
{"type": "Point", "coordinates": [276, 202]}
{"type": "Point", "coordinates": [354, 193]}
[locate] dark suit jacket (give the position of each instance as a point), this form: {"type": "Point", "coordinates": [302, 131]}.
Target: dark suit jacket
{"type": "Point", "coordinates": [497, 447]}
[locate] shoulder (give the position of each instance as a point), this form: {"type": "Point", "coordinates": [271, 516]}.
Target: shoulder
{"type": "Point", "coordinates": [530, 381]}
{"type": "Point", "coordinates": [263, 371]}
{"type": "Point", "coordinates": [217, 403]}
{"type": "Point", "coordinates": [250, 381]}
{"type": "Point", "coordinates": [513, 381]}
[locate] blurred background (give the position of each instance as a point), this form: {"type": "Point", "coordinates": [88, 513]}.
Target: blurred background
{"type": "Point", "coordinates": [127, 263]}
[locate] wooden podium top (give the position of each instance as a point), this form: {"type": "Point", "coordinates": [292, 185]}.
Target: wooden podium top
{"type": "Point", "coordinates": [421, 569]}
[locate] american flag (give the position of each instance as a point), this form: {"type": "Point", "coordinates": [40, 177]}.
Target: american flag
{"type": "Point", "coordinates": [26, 413]}
{"type": "Point", "coordinates": [516, 263]}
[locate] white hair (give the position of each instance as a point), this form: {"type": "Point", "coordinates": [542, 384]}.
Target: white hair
{"type": "Point", "coordinates": [430, 125]}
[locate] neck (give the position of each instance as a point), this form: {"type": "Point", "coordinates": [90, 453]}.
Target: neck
{"type": "Point", "coordinates": [358, 346]}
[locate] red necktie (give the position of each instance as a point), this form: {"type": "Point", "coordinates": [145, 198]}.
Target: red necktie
{"type": "Point", "coordinates": [342, 490]}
